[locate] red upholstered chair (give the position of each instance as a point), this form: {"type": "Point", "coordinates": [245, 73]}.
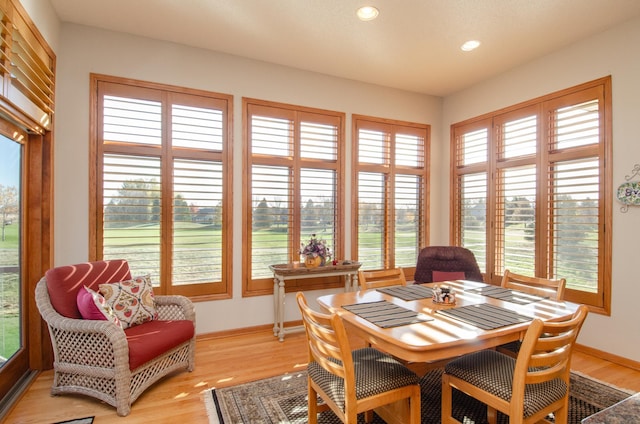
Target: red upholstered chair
{"type": "Point", "coordinates": [97, 357]}
{"type": "Point", "coordinates": [440, 263]}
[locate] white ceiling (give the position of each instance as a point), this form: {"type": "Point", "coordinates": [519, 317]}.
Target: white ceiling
{"type": "Point", "coordinates": [413, 45]}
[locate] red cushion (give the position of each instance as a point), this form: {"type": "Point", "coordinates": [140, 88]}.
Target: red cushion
{"type": "Point", "coordinates": [64, 282]}
{"type": "Point", "coordinates": [153, 338]}
{"type": "Point", "coordinates": [447, 275]}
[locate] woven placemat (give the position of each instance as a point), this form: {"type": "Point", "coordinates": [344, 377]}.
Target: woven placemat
{"type": "Point", "coordinates": [485, 316]}
{"type": "Point", "coordinates": [386, 314]}
{"type": "Point", "coordinates": [413, 292]}
{"type": "Point", "coordinates": [509, 295]}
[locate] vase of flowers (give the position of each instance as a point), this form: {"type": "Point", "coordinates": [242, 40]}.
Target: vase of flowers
{"type": "Point", "coordinates": [315, 252]}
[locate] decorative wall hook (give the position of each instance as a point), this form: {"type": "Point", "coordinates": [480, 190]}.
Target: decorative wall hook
{"type": "Point", "coordinates": [629, 192]}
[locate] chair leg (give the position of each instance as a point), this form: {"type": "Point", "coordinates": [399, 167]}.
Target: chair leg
{"type": "Point", "coordinates": [492, 415]}
{"type": "Point", "coordinates": [414, 404]}
{"type": "Point", "coordinates": [445, 414]}
{"type": "Point", "coordinates": [562, 414]}
{"type": "Point", "coordinates": [312, 405]}
{"type": "Point", "coordinates": [368, 416]}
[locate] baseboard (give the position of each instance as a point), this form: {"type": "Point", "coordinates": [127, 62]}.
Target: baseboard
{"type": "Point", "coordinates": [244, 331]}
{"type": "Point", "coordinates": [619, 360]}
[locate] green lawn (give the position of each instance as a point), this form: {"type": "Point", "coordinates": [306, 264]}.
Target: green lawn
{"type": "Point", "coordinates": [197, 256]}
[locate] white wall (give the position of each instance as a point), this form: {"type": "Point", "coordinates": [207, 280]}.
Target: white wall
{"type": "Point", "coordinates": [616, 53]}
{"type": "Point", "coordinates": [84, 50]}
{"type": "Point", "coordinates": [45, 19]}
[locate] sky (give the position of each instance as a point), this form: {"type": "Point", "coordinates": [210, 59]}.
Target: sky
{"type": "Point", "coordinates": [9, 162]}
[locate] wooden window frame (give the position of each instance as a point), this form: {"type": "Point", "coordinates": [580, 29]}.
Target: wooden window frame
{"type": "Point", "coordinates": [200, 291]}
{"type": "Point", "coordinates": [600, 89]}
{"type": "Point", "coordinates": [264, 286]}
{"type": "Point", "coordinates": [391, 127]}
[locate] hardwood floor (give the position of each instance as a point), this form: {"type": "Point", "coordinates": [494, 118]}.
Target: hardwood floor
{"type": "Point", "coordinates": [222, 362]}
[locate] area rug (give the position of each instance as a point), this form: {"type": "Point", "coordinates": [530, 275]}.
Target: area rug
{"type": "Point", "coordinates": [282, 400]}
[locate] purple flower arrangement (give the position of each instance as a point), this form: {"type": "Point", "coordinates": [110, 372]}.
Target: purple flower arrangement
{"type": "Point", "coordinates": [315, 248]}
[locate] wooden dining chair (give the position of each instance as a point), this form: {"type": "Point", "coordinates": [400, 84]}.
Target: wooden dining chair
{"type": "Point", "coordinates": [351, 382]}
{"type": "Point", "coordinates": [553, 289]}
{"type": "Point", "coordinates": [381, 278]}
{"type": "Point", "coordinates": [527, 388]}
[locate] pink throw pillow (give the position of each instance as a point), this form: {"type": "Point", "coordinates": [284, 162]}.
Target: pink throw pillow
{"type": "Point", "coordinates": [447, 275]}
{"type": "Point", "coordinates": [92, 305]}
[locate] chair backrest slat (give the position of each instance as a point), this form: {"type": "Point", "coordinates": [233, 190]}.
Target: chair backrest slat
{"type": "Point", "coordinates": [546, 349]}
{"type": "Point", "coordinates": [554, 289]}
{"type": "Point", "coordinates": [382, 278]}
{"type": "Point", "coordinates": [327, 341]}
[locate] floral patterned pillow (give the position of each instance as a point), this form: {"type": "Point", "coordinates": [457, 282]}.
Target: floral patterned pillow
{"type": "Point", "coordinates": [131, 300]}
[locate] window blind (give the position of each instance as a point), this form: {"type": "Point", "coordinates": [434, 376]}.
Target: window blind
{"type": "Point", "coordinates": [27, 64]}
{"type": "Point", "coordinates": [391, 175]}
{"type": "Point", "coordinates": [132, 211]}
{"type": "Point", "coordinates": [293, 189]}
{"type": "Point", "coordinates": [548, 196]}
{"type": "Point", "coordinates": [162, 151]}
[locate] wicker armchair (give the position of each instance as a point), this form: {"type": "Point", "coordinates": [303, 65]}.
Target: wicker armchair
{"type": "Point", "coordinates": [100, 359]}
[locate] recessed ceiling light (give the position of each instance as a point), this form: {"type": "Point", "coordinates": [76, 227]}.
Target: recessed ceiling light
{"type": "Point", "coordinates": [470, 45]}
{"type": "Point", "coordinates": [367, 13]}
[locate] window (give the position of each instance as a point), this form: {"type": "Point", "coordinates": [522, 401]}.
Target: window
{"type": "Point", "coordinates": [391, 189]}
{"type": "Point", "coordinates": [293, 188]}
{"type": "Point", "coordinates": [11, 229]}
{"type": "Point", "coordinates": [162, 162]}
{"type": "Point", "coordinates": [532, 192]}
{"type": "Point", "coordinates": [27, 72]}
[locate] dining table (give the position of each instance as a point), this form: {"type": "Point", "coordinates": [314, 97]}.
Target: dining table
{"type": "Point", "coordinates": [435, 331]}
{"type": "Point", "coordinates": [407, 323]}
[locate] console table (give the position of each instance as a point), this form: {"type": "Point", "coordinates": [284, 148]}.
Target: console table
{"type": "Point", "coordinates": [296, 271]}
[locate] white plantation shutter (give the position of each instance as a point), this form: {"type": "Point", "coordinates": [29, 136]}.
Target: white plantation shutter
{"type": "Point", "coordinates": [519, 138]}
{"type": "Point", "coordinates": [271, 212]}
{"type": "Point", "coordinates": [577, 125]}
{"type": "Point", "coordinates": [391, 176]}
{"type": "Point", "coordinates": [197, 127]}
{"type": "Point", "coordinates": [408, 198]}
{"type": "Point", "coordinates": [27, 70]}
{"type": "Point", "coordinates": [473, 211]}
{"type": "Point", "coordinates": [473, 147]}
{"type": "Point", "coordinates": [372, 210]}
{"type": "Point", "coordinates": [515, 232]}
{"type": "Point", "coordinates": [161, 160]}
{"type": "Point", "coordinates": [197, 221]}
{"type": "Point", "coordinates": [132, 211]}
{"type": "Point", "coordinates": [131, 120]}
{"type": "Point", "coordinates": [547, 203]}
{"type": "Point", "coordinates": [575, 236]}
{"type": "Point", "coordinates": [271, 136]}
{"type": "Point", "coordinates": [516, 191]}
{"type": "Point", "coordinates": [470, 197]}
{"type": "Point", "coordinates": [318, 141]}
{"type": "Point", "coordinates": [372, 147]}
{"type": "Point", "coordinates": [293, 189]}
{"type": "Point", "coordinates": [318, 204]}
